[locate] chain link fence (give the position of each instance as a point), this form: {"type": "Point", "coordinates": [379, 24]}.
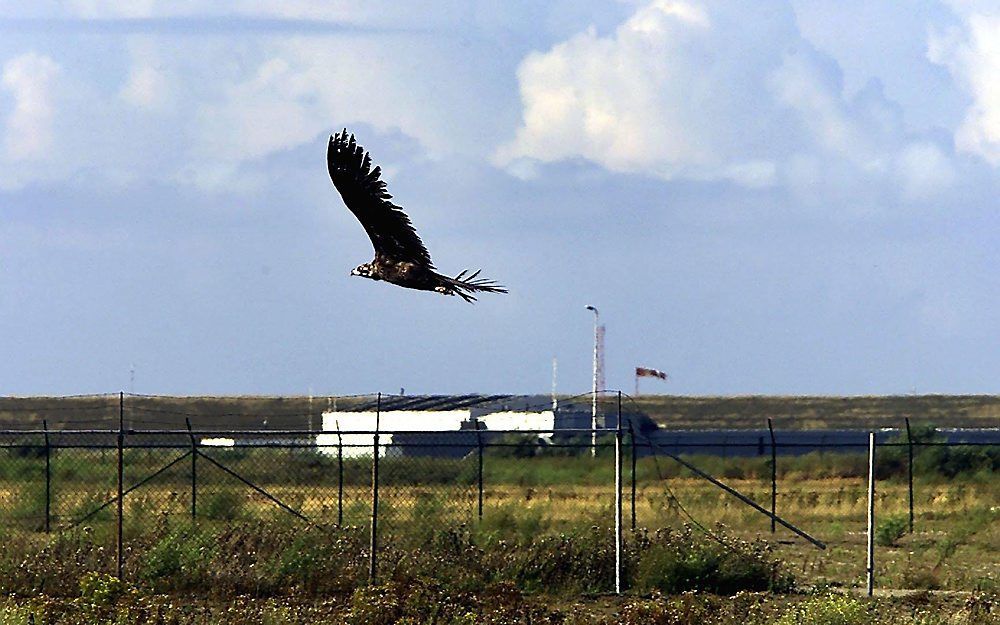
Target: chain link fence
{"type": "Point", "coordinates": [937, 500]}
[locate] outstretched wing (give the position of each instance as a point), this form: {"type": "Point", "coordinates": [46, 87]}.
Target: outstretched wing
{"type": "Point", "coordinates": [387, 225]}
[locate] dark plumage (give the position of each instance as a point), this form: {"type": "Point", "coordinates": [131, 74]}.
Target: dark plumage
{"type": "Point", "coordinates": [400, 255]}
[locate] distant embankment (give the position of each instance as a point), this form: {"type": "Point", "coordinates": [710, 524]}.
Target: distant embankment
{"type": "Point", "coordinates": [161, 412]}
{"type": "Point", "coordinates": [671, 412]}
{"type": "Point", "coordinates": [807, 413]}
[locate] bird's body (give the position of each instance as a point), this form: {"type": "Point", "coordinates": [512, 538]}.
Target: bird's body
{"type": "Point", "coordinates": [400, 255]}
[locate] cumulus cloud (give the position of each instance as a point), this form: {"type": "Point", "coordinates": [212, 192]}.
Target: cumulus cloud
{"type": "Point", "coordinates": [696, 89]}
{"type": "Point", "coordinates": [712, 90]}
{"type": "Point", "coordinates": [634, 101]}
{"type": "Point", "coordinates": [303, 87]}
{"type": "Point", "coordinates": [972, 55]}
{"type": "Point", "coordinates": [30, 79]}
{"type": "Point", "coordinates": [214, 106]}
{"type": "Point", "coordinates": [924, 170]}
{"type": "Point", "coordinates": [146, 87]}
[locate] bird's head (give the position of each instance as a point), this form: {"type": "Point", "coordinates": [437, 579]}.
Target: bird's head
{"type": "Point", "coordinates": [365, 271]}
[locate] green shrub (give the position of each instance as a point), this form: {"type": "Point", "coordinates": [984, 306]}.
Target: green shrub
{"type": "Point", "coordinates": [577, 562]}
{"type": "Point", "coordinates": [100, 589]}
{"type": "Point", "coordinates": [180, 558]}
{"type": "Point", "coordinates": [224, 505]}
{"type": "Point", "coordinates": [515, 446]}
{"type": "Point", "coordinates": [952, 461]}
{"type": "Point", "coordinates": [947, 461]}
{"type": "Point", "coordinates": [889, 531]}
{"type": "Point", "coordinates": [676, 561]}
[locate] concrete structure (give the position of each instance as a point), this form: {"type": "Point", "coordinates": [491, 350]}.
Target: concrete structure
{"type": "Point", "coordinates": [445, 425]}
{"type": "Point", "coordinates": [456, 427]}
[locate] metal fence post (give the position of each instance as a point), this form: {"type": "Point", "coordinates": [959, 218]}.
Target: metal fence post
{"type": "Point", "coordinates": [48, 477]}
{"type": "Point", "coordinates": [121, 477]}
{"type": "Point", "coordinates": [373, 547]}
{"type": "Point", "coordinates": [194, 470]}
{"type": "Point", "coordinates": [618, 499]}
{"type": "Point", "coordinates": [631, 434]}
{"type": "Point", "coordinates": [909, 467]}
{"type": "Point", "coordinates": [870, 563]}
{"type": "Point", "coordinates": [340, 476]}
{"type": "Point", "coordinates": [774, 475]}
{"type": "Point", "coordinates": [479, 471]}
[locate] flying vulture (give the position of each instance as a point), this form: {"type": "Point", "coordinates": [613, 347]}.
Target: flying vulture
{"type": "Point", "coordinates": [400, 255]}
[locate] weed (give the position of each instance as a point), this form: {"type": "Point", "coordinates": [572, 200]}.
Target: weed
{"type": "Point", "coordinates": [100, 589]}
{"type": "Point", "coordinates": [178, 559]}
{"type": "Point", "coordinates": [889, 531]}
{"type": "Point", "coordinates": [827, 610]}
{"type": "Point", "coordinates": [224, 505]}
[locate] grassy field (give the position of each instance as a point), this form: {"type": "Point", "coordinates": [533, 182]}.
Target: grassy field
{"type": "Point", "coordinates": [955, 544]}
{"type": "Point", "coordinates": [542, 553]}
{"type": "Point", "coordinates": [251, 412]}
{"type": "Point", "coordinates": [416, 603]}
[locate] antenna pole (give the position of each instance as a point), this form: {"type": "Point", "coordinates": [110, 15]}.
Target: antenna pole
{"type": "Point", "coordinates": [555, 370]}
{"type": "Point", "coordinates": [593, 399]}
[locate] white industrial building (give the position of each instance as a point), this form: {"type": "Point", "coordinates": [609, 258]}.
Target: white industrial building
{"type": "Point", "coordinates": [430, 421]}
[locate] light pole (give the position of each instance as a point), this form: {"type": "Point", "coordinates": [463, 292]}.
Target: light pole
{"type": "Point", "coordinates": [593, 399]}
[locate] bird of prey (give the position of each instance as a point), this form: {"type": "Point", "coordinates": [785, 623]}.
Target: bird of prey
{"type": "Point", "coordinates": [400, 255]}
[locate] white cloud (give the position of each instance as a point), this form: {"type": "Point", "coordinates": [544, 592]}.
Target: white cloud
{"type": "Point", "coordinates": [972, 55]}
{"type": "Point", "coordinates": [634, 101]}
{"type": "Point", "coordinates": [715, 90]}
{"type": "Point", "coordinates": [29, 78]}
{"type": "Point", "coordinates": [146, 88]}
{"type": "Point", "coordinates": [214, 105]}
{"type": "Point", "coordinates": [924, 170]}
{"type": "Point", "coordinates": [303, 87]}
{"type": "Point", "coordinates": [821, 108]}
{"type": "Point", "coordinates": [699, 89]}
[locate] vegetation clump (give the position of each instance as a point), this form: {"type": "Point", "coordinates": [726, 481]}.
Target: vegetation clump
{"type": "Point", "coordinates": [889, 531]}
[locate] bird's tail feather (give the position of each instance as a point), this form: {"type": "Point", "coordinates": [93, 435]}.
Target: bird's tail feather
{"type": "Point", "coordinates": [467, 283]}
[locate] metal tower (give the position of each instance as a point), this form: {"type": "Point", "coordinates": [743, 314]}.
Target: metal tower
{"type": "Point", "coordinates": [601, 384]}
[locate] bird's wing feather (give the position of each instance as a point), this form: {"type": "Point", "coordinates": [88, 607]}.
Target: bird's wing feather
{"type": "Point", "coordinates": [365, 194]}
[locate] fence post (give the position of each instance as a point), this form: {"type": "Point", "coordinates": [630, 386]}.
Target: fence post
{"type": "Point", "coordinates": [774, 475]}
{"type": "Point", "coordinates": [48, 477]}
{"type": "Point", "coordinates": [479, 472]}
{"type": "Point", "coordinates": [340, 476]}
{"type": "Point", "coordinates": [909, 467]}
{"type": "Point", "coordinates": [194, 470]}
{"type": "Point", "coordinates": [121, 476]}
{"type": "Point", "coordinates": [631, 434]}
{"type": "Point", "coordinates": [373, 547]}
{"type": "Point", "coordinates": [870, 563]}
{"type": "Point", "coordinates": [618, 499]}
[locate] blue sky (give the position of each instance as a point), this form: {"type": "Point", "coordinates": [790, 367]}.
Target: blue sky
{"type": "Point", "coordinates": [778, 197]}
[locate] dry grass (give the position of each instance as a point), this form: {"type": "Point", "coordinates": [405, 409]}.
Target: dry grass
{"type": "Point", "coordinates": [672, 411]}
{"type": "Point", "coordinates": [956, 543]}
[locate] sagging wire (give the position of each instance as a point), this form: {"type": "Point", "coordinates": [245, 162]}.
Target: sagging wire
{"type": "Point", "coordinates": [670, 493]}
